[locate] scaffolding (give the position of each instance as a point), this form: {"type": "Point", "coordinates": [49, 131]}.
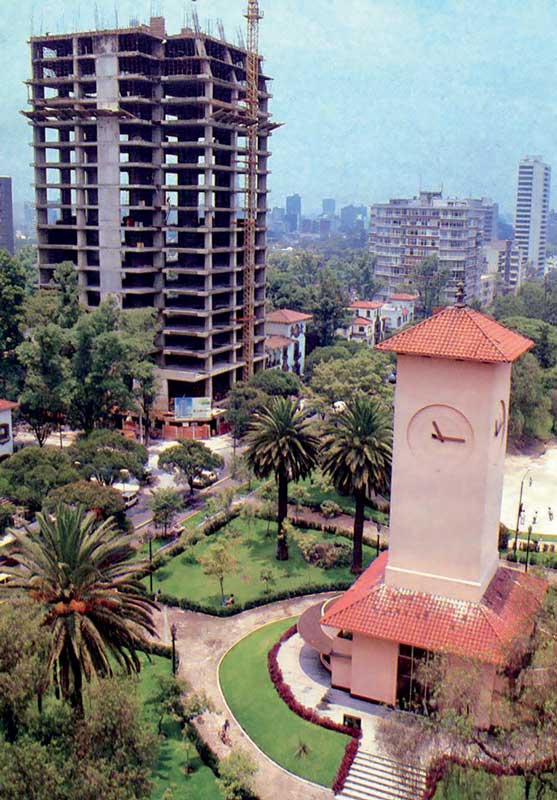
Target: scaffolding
{"type": "Point", "coordinates": [252, 107]}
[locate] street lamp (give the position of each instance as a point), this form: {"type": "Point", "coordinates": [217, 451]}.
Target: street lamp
{"type": "Point", "coordinates": [520, 510]}
{"type": "Point", "coordinates": [528, 548]}
{"type": "Point", "coordinates": [173, 631]}
{"type": "Point", "coordinates": [150, 562]}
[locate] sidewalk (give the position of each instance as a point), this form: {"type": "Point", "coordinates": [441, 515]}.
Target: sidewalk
{"type": "Point", "coordinates": [202, 640]}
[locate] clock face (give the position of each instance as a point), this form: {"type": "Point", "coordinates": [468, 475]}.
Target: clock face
{"type": "Point", "coordinates": [500, 420]}
{"type": "Point", "coordinates": [442, 433]}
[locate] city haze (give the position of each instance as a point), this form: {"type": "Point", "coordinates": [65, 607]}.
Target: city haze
{"type": "Point", "coordinates": [377, 98]}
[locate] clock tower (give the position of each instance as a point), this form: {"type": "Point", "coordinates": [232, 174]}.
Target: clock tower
{"type": "Point", "coordinates": [440, 586]}
{"type": "Point", "coordinates": [450, 432]}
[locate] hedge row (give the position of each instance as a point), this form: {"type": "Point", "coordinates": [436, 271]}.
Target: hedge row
{"type": "Point", "coordinates": [272, 597]}
{"type": "Point", "coordinates": [309, 714]}
{"type": "Point", "coordinates": [325, 527]}
{"type": "Point", "coordinates": [350, 753]}
{"type": "Point", "coordinates": [441, 765]}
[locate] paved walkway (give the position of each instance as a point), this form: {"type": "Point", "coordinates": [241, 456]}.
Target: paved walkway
{"type": "Point", "coordinates": [202, 640]}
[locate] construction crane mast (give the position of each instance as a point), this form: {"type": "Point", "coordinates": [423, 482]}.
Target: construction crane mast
{"type": "Point", "coordinates": [253, 17]}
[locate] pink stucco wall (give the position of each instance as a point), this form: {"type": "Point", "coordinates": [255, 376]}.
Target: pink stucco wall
{"type": "Point", "coordinates": [446, 497]}
{"type": "Point", "coordinates": [374, 669]}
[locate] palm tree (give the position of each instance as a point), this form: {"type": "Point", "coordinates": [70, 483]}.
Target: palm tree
{"type": "Point", "coordinates": [81, 573]}
{"type": "Point", "coordinates": [356, 455]}
{"type": "Point", "coordinates": [279, 443]}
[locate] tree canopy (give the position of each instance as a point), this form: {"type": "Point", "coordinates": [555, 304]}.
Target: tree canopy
{"type": "Point", "coordinates": [104, 454]}
{"type": "Point", "coordinates": [30, 474]}
{"type": "Point", "coordinates": [82, 574]}
{"type": "Point", "coordinates": [188, 460]}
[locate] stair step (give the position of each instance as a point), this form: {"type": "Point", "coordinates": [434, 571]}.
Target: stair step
{"type": "Point", "coordinates": [367, 778]}
{"type": "Point", "coordinates": [390, 790]}
{"type": "Point", "coordinates": [390, 764]}
{"type": "Point", "coordinates": [370, 773]}
{"type": "Point", "coordinates": [354, 793]}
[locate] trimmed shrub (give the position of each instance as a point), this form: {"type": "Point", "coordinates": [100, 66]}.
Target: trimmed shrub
{"type": "Point", "coordinates": [272, 597]}
{"type": "Point", "coordinates": [504, 536]}
{"type": "Point", "coordinates": [350, 753]}
{"type": "Point", "coordinates": [330, 509]}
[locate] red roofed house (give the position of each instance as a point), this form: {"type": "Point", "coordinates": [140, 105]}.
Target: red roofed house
{"type": "Point", "coordinates": [439, 587]}
{"type": "Point", "coordinates": [6, 431]}
{"type": "Point", "coordinates": [286, 340]}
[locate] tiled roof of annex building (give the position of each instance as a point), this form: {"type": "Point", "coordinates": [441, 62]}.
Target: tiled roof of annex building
{"type": "Point", "coordinates": [286, 315]}
{"type": "Point", "coordinates": [459, 332]}
{"type": "Point", "coordinates": [485, 630]}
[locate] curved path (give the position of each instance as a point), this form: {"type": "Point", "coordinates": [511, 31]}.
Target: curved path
{"type": "Point", "coordinates": [201, 642]}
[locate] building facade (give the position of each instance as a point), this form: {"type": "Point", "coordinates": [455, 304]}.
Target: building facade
{"type": "Point", "coordinates": [532, 209]}
{"type": "Point", "coordinates": [6, 428]}
{"type": "Point", "coordinates": [505, 261]}
{"type": "Point", "coordinates": [405, 232]}
{"type": "Point", "coordinates": [293, 212]}
{"type": "Point", "coordinates": [140, 157]}
{"type": "Point", "coordinates": [7, 237]}
{"type": "Point", "coordinates": [286, 339]}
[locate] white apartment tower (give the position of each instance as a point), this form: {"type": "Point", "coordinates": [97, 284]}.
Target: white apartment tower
{"type": "Point", "coordinates": [532, 207]}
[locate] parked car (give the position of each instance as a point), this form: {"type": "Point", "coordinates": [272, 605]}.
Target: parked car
{"type": "Point", "coordinates": [207, 477]}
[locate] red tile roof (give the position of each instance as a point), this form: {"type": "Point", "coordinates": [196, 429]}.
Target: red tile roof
{"type": "Point", "coordinates": [6, 405]}
{"type": "Point", "coordinates": [273, 342]}
{"type": "Point", "coordinates": [286, 315]}
{"type": "Point", "coordinates": [362, 321]}
{"type": "Point", "coordinates": [459, 332]}
{"type": "Point", "coordinates": [403, 296]}
{"type": "Point", "coordinates": [485, 630]}
{"type": "Point", "coordinates": [364, 304]}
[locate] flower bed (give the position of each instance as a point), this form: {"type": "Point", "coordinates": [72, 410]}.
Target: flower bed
{"type": "Point", "coordinates": [309, 714]}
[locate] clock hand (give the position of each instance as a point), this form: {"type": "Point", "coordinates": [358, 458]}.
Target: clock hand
{"type": "Point", "coordinates": [437, 434]}
{"type": "Point", "coordinates": [454, 439]}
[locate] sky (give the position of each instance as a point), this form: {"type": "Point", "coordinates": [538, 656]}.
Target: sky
{"type": "Point", "coordinates": [377, 97]}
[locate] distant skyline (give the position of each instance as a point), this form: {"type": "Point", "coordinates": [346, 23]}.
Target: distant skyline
{"type": "Point", "coordinates": [377, 98]}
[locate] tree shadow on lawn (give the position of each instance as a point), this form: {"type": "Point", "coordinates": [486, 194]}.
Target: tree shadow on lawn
{"type": "Point", "coordinates": [263, 552]}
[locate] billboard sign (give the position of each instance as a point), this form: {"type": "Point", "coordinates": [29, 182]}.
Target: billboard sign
{"type": "Point", "coordinates": [192, 408]}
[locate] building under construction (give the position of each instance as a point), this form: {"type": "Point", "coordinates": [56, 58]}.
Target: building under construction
{"type": "Point", "coordinates": [150, 162]}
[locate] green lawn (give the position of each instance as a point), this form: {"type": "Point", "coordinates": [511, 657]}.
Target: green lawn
{"type": "Point", "coordinates": [317, 495]}
{"type": "Point", "coordinates": [200, 785]}
{"type": "Point", "coordinates": [267, 719]}
{"type": "Point", "coordinates": [253, 551]}
{"type": "Point", "coordinates": [463, 784]}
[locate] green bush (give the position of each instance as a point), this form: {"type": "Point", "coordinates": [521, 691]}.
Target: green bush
{"type": "Point", "coordinates": [272, 597]}
{"type": "Point", "coordinates": [330, 509]}
{"type": "Point", "coordinates": [504, 536]}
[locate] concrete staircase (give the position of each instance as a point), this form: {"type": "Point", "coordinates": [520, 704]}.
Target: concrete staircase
{"type": "Point", "coordinates": [374, 777]}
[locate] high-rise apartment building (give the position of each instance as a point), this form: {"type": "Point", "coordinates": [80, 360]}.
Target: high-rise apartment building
{"type": "Point", "coordinates": [141, 163]}
{"type": "Point", "coordinates": [504, 259]}
{"type": "Point", "coordinates": [7, 241]}
{"type": "Point", "coordinates": [329, 206]}
{"type": "Point", "coordinates": [532, 207]}
{"type": "Point", "coordinates": [404, 232]}
{"type": "Point", "coordinates": [293, 212]}
{"type": "Point", "coordinates": [489, 213]}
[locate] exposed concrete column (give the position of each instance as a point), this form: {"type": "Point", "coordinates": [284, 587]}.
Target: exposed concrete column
{"type": "Point", "coordinates": [108, 170]}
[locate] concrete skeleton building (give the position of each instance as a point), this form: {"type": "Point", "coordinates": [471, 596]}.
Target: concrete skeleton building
{"type": "Point", "coordinates": [141, 171]}
{"type": "Point", "coordinates": [7, 241]}
{"type": "Point", "coordinates": [532, 209]}
{"type": "Point", "coordinates": [403, 232]}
